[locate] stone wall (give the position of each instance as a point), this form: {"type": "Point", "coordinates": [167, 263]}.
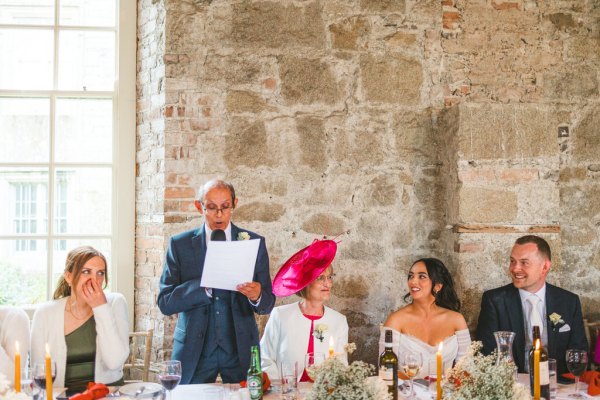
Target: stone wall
{"type": "Point", "coordinates": [409, 128]}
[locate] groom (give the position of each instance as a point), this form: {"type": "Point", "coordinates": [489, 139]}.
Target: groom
{"type": "Point", "coordinates": [215, 327]}
{"type": "Point", "coordinates": [529, 301]}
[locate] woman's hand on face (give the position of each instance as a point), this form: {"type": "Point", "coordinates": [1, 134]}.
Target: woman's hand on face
{"type": "Point", "coordinates": [93, 294]}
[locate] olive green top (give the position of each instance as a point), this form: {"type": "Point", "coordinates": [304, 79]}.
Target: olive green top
{"type": "Point", "coordinates": [81, 357]}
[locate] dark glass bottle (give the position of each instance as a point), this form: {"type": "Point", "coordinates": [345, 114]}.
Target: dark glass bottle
{"type": "Point", "coordinates": [544, 371]}
{"type": "Point", "coordinates": [388, 366]}
{"type": "Point", "coordinates": [254, 378]}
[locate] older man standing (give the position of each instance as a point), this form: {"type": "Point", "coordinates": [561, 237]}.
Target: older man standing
{"type": "Point", "coordinates": [530, 301]}
{"type": "Point", "coordinates": [215, 327]}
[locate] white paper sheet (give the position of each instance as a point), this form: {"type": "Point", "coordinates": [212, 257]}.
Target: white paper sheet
{"type": "Point", "coordinates": [227, 264]}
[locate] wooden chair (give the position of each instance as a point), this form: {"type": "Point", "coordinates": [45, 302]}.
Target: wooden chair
{"type": "Point", "coordinates": [592, 330]}
{"type": "Point", "coordinates": [133, 361]}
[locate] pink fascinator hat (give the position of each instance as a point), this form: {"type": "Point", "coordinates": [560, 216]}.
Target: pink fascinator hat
{"type": "Point", "coordinates": [304, 267]}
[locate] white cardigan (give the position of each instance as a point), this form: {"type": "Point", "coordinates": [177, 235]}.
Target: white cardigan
{"type": "Point", "coordinates": [112, 337]}
{"type": "Point", "coordinates": [14, 327]}
{"type": "Point", "coordinates": [287, 333]}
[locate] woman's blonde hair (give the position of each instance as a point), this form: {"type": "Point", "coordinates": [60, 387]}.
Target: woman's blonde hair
{"type": "Point", "coordinates": [76, 259]}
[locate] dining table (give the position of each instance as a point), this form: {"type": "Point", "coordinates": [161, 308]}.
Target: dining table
{"type": "Point", "coordinates": [231, 392]}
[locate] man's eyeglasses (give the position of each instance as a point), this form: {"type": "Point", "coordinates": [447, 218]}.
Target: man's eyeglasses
{"type": "Point", "coordinates": [325, 278]}
{"type": "Point", "coordinates": [213, 209]}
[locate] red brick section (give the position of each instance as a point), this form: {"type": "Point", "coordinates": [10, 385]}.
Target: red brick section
{"type": "Point", "coordinates": [505, 5]}
{"type": "Point", "coordinates": [519, 175]}
{"type": "Point", "coordinates": [179, 193]}
{"type": "Point", "coordinates": [450, 19]}
{"type": "Point", "coordinates": [471, 247]}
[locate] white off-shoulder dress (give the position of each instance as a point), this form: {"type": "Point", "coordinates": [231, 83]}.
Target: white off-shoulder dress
{"type": "Point", "coordinates": [455, 346]}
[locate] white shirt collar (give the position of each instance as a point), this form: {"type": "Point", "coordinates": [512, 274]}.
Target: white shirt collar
{"type": "Point", "coordinates": [541, 294]}
{"type": "Point", "coordinates": [208, 232]}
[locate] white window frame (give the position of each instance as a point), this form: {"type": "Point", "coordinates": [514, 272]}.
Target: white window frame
{"type": "Point", "coordinates": [124, 152]}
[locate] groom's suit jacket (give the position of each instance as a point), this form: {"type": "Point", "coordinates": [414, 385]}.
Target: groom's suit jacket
{"type": "Point", "coordinates": [501, 310]}
{"type": "Point", "coordinates": [180, 293]}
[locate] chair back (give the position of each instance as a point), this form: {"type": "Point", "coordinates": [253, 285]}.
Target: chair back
{"type": "Point", "coordinates": [137, 359]}
{"type": "Point", "coordinates": [592, 332]}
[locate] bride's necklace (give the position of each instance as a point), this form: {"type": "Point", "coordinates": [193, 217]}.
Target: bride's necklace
{"type": "Point", "coordinates": [73, 311]}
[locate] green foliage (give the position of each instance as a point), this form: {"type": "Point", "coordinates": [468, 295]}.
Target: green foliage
{"type": "Point", "coordinates": [20, 288]}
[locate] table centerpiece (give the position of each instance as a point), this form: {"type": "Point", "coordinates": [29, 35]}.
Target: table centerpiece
{"type": "Point", "coordinates": [334, 380]}
{"type": "Point", "coordinates": [476, 376]}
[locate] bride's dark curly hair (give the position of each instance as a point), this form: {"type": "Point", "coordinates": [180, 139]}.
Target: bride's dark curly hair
{"type": "Point", "coordinates": [438, 273]}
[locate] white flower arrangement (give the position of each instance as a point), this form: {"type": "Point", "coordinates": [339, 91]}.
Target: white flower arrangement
{"type": "Point", "coordinates": [476, 376]}
{"type": "Point", "coordinates": [319, 331]}
{"type": "Point", "coordinates": [335, 380]}
{"type": "Point", "coordinates": [6, 393]}
{"type": "Point", "coordinates": [243, 236]}
{"type": "Point", "coordinates": [556, 320]}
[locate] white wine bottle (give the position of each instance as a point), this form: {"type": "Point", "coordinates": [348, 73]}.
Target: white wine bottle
{"type": "Point", "coordinates": [388, 366]}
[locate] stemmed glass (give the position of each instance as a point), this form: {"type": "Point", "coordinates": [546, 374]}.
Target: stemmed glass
{"type": "Point", "coordinates": [169, 374]}
{"type": "Point", "coordinates": [39, 377]}
{"type": "Point", "coordinates": [577, 361]}
{"type": "Point", "coordinates": [411, 365]}
{"type": "Point", "coordinates": [312, 361]}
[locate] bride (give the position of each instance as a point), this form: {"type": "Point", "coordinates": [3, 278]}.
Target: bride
{"type": "Point", "coordinates": [432, 317]}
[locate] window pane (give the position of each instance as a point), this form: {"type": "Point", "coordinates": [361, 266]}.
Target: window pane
{"type": "Point", "coordinates": [24, 124]}
{"type": "Point", "coordinates": [26, 59]}
{"type": "Point", "coordinates": [30, 12]}
{"type": "Point", "coordinates": [26, 210]}
{"type": "Point", "coordinates": [84, 130]}
{"type": "Point", "coordinates": [23, 273]}
{"type": "Point", "coordinates": [87, 199]}
{"type": "Point", "coordinates": [86, 60]}
{"type": "Point", "coordinates": [87, 12]}
{"type": "Point", "coordinates": [60, 255]}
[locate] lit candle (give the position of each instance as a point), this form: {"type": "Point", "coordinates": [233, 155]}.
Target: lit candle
{"type": "Point", "coordinates": [438, 357]}
{"type": "Point", "coordinates": [17, 370]}
{"type": "Point", "coordinates": [330, 346]}
{"type": "Point", "coordinates": [536, 371]}
{"type": "Point", "coordinates": [48, 373]}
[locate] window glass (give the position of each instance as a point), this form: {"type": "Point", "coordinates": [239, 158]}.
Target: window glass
{"type": "Point", "coordinates": [26, 190]}
{"type": "Point", "coordinates": [25, 127]}
{"type": "Point", "coordinates": [23, 272]}
{"type": "Point", "coordinates": [26, 59]}
{"type": "Point", "coordinates": [27, 12]}
{"type": "Point", "coordinates": [86, 60]}
{"type": "Point", "coordinates": [83, 130]}
{"type": "Point", "coordinates": [88, 12]}
{"type": "Point", "coordinates": [87, 194]}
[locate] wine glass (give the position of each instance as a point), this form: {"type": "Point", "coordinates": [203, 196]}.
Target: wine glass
{"type": "Point", "coordinates": [411, 365]}
{"type": "Point", "coordinates": [39, 377]}
{"type": "Point", "coordinates": [577, 361]}
{"type": "Point", "coordinates": [169, 374]}
{"type": "Point", "coordinates": [312, 362]}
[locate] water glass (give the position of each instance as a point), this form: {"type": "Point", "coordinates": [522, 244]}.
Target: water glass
{"type": "Point", "coordinates": [289, 380]}
{"type": "Point", "coordinates": [552, 371]}
{"type": "Point", "coordinates": [27, 385]}
{"type": "Point", "coordinates": [213, 393]}
{"type": "Point", "coordinates": [312, 362]}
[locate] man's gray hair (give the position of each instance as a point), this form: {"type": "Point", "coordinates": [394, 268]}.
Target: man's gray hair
{"type": "Point", "coordinates": [214, 184]}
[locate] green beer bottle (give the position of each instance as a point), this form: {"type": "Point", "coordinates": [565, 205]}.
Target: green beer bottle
{"type": "Point", "coordinates": [254, 378]}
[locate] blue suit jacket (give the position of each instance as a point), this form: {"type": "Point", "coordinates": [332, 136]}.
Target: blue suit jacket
{"type": "Point", "coordinates": [501, 310]}
{"type": "Point", "coordinates": [180, 293]}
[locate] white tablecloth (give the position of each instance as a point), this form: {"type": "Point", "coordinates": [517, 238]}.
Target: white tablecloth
{"type": "Point", "coordinates": [202, 392]}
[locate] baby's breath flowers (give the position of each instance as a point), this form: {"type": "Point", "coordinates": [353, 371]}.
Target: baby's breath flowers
{"type": "Point", "coordinates": [476, 376]}
{"type": "Point", "coordinates": [335, 380]}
